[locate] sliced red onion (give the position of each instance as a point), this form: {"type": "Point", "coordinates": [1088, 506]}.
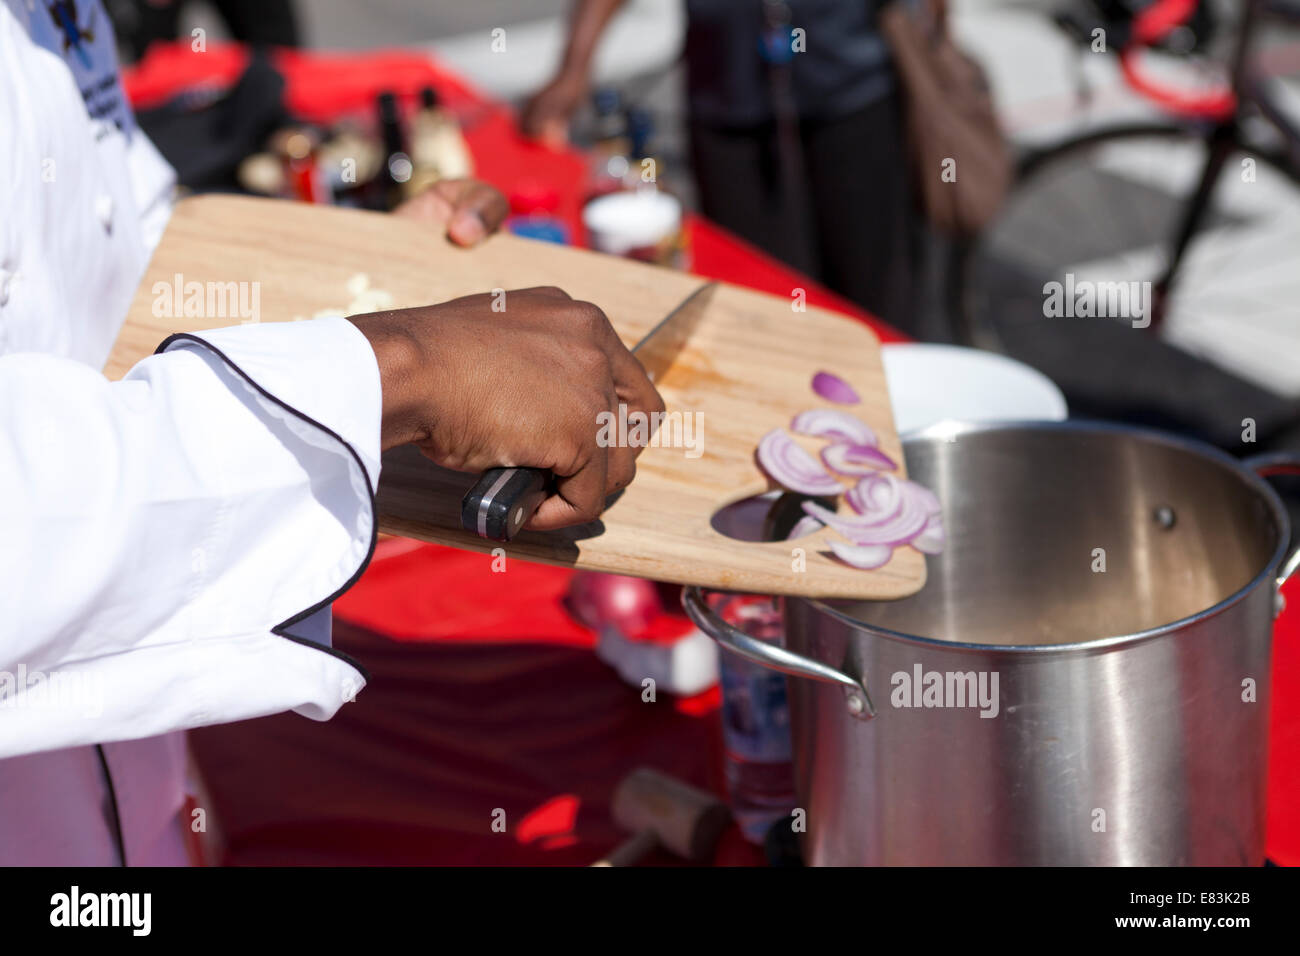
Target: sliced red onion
{"type": "Point", "coordinates": [856, 459]}
{"type": "Point", "coordinates": [834, 424]}
{"type": "Point", "coordinates": [877, 496]}
{"type": "Point", "coordinates": [928, 498]}
{"type": "Point", "coordinates": [792, 467]}
{"type": "Point", "coordinates": [804, 526]}
{"type": "Point", "coordinates": [834, 389]}
{"type": "Point", "coordinates": [864, 556]}
{"type": "Point", "coordinates": [898, 528]}
{"type": "Point", "coordinates": [932, 538]}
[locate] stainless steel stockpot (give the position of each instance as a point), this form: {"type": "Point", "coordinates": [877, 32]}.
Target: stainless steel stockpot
{"type": "Point", "coordinates": [1084, 678]}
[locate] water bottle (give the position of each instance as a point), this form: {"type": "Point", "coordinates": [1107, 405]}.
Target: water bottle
{"type": "Point", "coordinates": [755, 722]}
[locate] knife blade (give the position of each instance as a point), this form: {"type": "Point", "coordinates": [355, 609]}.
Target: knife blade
{"type": "Point", "coordinates": [503, 499]}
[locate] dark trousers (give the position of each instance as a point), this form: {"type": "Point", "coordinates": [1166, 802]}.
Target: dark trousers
{"type": "Point", "coordinates": [139, 23]}
{"type": "Point", "coordinates": [846, 219]}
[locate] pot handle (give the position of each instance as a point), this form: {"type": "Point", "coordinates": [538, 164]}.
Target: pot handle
{"type": "Point", "coordinates": [773, 657]}
{"type": "Point", "coordinates": [1279, 463]}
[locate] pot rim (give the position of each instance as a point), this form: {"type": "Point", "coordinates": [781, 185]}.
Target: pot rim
{"type": "Point", "coordinates": [950, 429]}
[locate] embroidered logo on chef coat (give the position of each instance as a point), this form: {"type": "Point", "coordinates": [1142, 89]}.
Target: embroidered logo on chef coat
{"type": "Point", "coordinates": [64, 15]}
{"type": "Point", "coordinates": [81, 34]}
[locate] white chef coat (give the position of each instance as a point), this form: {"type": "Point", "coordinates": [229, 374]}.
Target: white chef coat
{"type": "Point", "coordinates": [164, 540]}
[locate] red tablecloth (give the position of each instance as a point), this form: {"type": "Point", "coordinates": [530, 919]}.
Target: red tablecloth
{"type": "Point", "coordinates": [485, 698]}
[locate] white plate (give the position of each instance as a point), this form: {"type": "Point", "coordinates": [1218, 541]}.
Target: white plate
{"type": "Point", "coordinates": [930, 383]}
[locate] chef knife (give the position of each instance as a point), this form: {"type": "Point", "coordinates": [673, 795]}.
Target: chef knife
{"type": "Point", "coordinates": [503, 499]}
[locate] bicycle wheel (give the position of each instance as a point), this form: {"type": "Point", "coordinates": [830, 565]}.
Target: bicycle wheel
{"type": "Point", "coordinates": [1086, 233]}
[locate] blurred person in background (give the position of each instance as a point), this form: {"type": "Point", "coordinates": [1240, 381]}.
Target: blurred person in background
{"type": "Point", "coordinates": [796, 132]}
{"type": "Point", "coordinates": [256, 22]}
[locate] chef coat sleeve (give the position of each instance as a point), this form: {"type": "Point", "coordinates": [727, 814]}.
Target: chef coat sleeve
{"type": "Point", "coordinates": [161, 535]}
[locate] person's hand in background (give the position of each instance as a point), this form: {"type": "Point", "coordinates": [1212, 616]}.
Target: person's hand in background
{"type": "Point", "coordinates": [475, 387]}
{"type": "Point", "coordinates": [468, 209]}
{"type": "Point", "coordinates": [546, 115]}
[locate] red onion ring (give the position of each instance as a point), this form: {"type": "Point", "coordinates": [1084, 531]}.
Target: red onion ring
{"type": "Point", "coordinates": [804, 526]}
{"type": "Point", "coordinates": [835, 424]}
{"type": "Point", "coordinates": [856, 459]}
{"type": "Point", "coordinates": [791, 467]}
{"type": "Point", "coordinates": [932, 538]}
{"type": "Point", "coordinates": [834, 389]}
{"type": "Point", "coordinates": [877, 495]}
{"type": "Point", "coordinates": [928, 498]}
{"type": "Point", "coordinates": [865, 557]}
{"type": "Point", "coordinates": [899, 528]}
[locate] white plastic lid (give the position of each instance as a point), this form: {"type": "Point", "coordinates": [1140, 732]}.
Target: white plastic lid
{"type": "Point", "coordinates": [631, 220]}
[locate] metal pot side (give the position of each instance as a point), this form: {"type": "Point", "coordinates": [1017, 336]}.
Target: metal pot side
{"type": "Point", "coordinates": [1132, 754]}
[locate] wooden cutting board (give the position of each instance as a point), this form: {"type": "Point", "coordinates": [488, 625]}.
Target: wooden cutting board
{"type": "Point", "coordinates": [747, 369]}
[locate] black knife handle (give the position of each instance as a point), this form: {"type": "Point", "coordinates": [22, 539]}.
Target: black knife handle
{"type": "Point", "coordinates": [502, 500]}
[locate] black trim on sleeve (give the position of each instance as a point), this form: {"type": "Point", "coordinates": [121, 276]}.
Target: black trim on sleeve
{"type": "Point", "coordinates": [112, 803]}
{"type": "Point", "coordinates": [279, 629]}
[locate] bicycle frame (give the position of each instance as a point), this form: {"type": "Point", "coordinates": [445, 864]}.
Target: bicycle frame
{"type": "Point", "coordinates": [1223, 137]}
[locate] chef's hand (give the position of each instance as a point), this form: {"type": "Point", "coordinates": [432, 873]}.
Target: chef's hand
{"type": "Point", "coordinates": [470, 210]}
{"type": "Point", "coordinates": [522, 384]}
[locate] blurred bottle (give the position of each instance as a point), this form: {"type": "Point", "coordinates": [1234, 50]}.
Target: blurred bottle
{"type": "Point", "coordinates": [643, 167]}
{"type": "Point", "coordinates": [755, 722]}
{"type": "Point", "coordinates": [610, 161]}
{"type": "Point", "coordinates": [438, 149]}
{"type": "Point", "coordinates": [533, 213]}
{"type": "Point", "coordinates": [296, 146]}
{"type": "Point", "coordinates": [349, 161]}
{"type": "Point", "coordinates": [396, 168]}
